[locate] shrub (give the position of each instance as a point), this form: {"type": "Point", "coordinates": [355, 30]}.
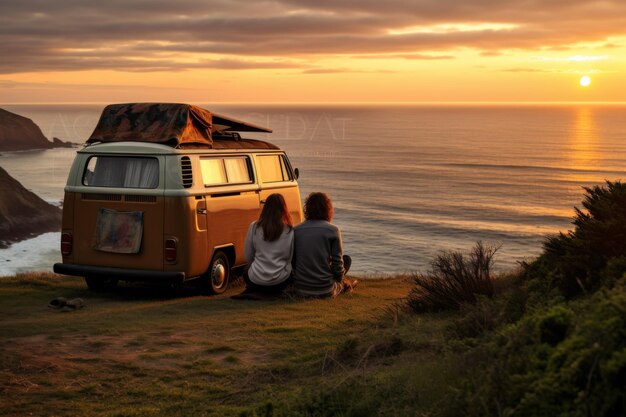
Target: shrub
{"type": "Point", "coordinates": [554, 325]}
{"type": "Point", "coordinates": [454, 279]}
{"type": "Point", "coordinates": [567, 359]}
{"type": "Point", "coordinates": [555, 344]}
{"type": "Point", "coordinates": [577, 258]}
{"type": "Point", "coordinates": [475, 320]}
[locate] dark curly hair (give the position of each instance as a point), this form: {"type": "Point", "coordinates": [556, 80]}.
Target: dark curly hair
{"type": "Point", "coordinates": [318, 207]}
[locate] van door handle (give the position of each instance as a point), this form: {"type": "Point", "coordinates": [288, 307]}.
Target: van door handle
{"type": "Point", "coordinates": [201, 211]}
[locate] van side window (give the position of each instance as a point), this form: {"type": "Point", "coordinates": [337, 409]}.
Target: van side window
{"type": "Point", "coordinates": [122, 172]}
{"type": "Point", "coordinates": [213, 172]}
{"type": "Point", "coordinates": [218, 171]}
{"type": "Point", "coordinates": [285, 169]}
{"type": "Point", "coordinates": [273, 168]}
{"type": "Point", "coordinates": [237, 170]}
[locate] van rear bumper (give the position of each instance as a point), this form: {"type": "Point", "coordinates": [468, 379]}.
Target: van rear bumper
{"type": "Point", "coordinates": [119, 273]}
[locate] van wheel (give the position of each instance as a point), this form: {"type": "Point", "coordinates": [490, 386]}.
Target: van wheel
{"type": "Point", "coordinates": [101, 283]}
{"type": "Point", "coordinates": [219, 273]}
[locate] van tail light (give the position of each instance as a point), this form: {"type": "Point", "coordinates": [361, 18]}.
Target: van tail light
{"type": "Point", "coordinates": [171, 250]}
{"type": "Point", "coordinates": [66, 243]}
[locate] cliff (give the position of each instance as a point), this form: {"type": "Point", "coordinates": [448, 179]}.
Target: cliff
{"type": "Point", "coordinates": [18, 133]}
{"type": "Point", "coordinates": [22, 213]}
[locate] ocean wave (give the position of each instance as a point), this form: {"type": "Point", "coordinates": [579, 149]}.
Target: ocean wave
{"type": "Point", "coordinates": [36, 254]}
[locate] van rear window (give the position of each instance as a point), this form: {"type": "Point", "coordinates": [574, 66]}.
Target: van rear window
{"type": "Point", "coordinates": [122, 172]}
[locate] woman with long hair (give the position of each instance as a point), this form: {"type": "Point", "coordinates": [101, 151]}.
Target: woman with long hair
{"type": "Point", "coordinates": [269, 248]}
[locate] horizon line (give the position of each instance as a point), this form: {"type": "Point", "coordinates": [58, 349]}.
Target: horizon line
{"type": "Point", "coordinates": [340, 103]}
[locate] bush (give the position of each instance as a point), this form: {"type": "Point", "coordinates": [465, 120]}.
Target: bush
{"type": "Point", "coordinates": [454, 279]}
{"type": "Point", "coordinates": [575, 260]}
{"type": "Point", "coordinates": [554, 325]}
{"type": "Point", "coordinates": [565, 359]}
{"type": "Point", "coordinates": [555, 344]}
{"type": "Point", "coordinates": [476, 320]}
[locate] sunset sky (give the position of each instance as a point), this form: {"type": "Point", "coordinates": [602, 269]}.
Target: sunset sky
{"type": "Point", "coordinates": [312, 51]}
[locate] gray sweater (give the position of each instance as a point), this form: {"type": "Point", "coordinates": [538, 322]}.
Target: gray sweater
{"type": "Point", "coordinates": [270, 262]}
{"type": "Point", "coordinates": [318, 261]}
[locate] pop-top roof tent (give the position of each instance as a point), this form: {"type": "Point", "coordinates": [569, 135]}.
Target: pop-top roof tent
{"type": "Point", "coordinates": [174, 124]}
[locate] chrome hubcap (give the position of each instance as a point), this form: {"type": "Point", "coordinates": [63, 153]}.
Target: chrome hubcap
{"type": "Point", "coordinates": [218, 274]}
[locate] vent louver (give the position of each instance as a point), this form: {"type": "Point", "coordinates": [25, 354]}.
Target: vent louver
{"type": "Point", "coordinates": [140, 198]}
{"type": "Point", "coordinates": [185, 166]}
{"type": "Point", "coordinates": [101, 197]}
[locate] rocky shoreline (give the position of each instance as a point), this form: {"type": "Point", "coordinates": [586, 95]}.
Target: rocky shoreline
{"type": "Point", "coordinates": [23, 214]}
{"type": "Point", "coordinates": [19, 133]}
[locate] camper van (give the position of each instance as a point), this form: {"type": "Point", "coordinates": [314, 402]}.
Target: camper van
{"type": "Point", "coordinates": [166, 192]}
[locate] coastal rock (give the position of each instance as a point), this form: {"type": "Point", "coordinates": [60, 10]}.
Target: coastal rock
{"type": "Point", "coordinates": [58, 143]}
{"type": "Point", "coordinates": [19, 133]}
{"type": "Point", "coordinates": [22, 213]}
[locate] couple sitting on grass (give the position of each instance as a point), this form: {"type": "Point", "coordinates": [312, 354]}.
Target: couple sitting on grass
{"type": "Point", "coordinates": [308, 256]}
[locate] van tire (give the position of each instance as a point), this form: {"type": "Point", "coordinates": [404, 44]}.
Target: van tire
{"type": "Point", "coordinates": [101, 284]}
{"type": "Point", "coordinates": [216, 278]}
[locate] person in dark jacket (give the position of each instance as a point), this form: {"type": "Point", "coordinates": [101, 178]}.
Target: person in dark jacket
{"type": "Point", "coordinates": [320, 267]}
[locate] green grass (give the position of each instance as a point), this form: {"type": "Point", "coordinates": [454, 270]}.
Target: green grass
{"type": "Point", "coordinates": [143, 351]}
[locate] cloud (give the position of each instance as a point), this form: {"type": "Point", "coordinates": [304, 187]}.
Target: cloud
{"type": "Point", "coordinates": [162, 35]}
{"type": "Point", "coordinates": [63, 86]}
{"type": "Point", "coordinates": [344, 70]}
{"type": "Point", "coordinates": [107, 61]}
{"type": "Point", "coordinates": [558, 71]}
{"type": "Point", "coordinates": [525, 70]}
{"type": "Point", "coordinates": [324, 71]}
{"type": "Point", "coordinates": [410, 56]}
{"type": "Point", "coordinates": [491, 53]}
{"type": "Point", "coordinates": [576, 58]}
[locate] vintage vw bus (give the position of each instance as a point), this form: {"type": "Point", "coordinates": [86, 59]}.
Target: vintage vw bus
{"type": "Point", "coordinates": [166, 192]}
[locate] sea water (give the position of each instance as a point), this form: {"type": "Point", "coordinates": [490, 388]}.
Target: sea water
{"type": "Point", "coordinates": [407, 181]}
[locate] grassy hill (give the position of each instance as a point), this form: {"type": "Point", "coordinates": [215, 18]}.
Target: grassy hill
{"type": "Point", "coordinates": [141, 351]}
{"type": "Point", "coordinates": [547, 340]}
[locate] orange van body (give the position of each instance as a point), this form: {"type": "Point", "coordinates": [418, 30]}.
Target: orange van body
{"type": "Point", "coordinates": [190, 210]}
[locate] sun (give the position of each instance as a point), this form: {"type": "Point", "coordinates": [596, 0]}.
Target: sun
{"type": "Point", "coordinates": [585, 81]}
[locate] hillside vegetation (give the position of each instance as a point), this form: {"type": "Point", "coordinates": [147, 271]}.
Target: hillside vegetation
{"type": "Point", "coordinates": [548, 340]}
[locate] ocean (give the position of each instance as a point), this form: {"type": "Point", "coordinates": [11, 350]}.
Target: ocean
{"type": "Point", "coordinates": [407, 181]}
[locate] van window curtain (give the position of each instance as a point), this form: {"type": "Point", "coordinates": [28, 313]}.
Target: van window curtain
{"type": "Point", "coordinates": [213, 172]}
{"type": "Point", "coordinates": [141, 173]}
{"type": "Point", "coordinates": [271, 170]}
{"type": "Point", "coordinates": [124, 172]}
{"type": "Point", "coordinates": [237, 170]}
{"type": "Point", "coordinates": [108, 172]}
